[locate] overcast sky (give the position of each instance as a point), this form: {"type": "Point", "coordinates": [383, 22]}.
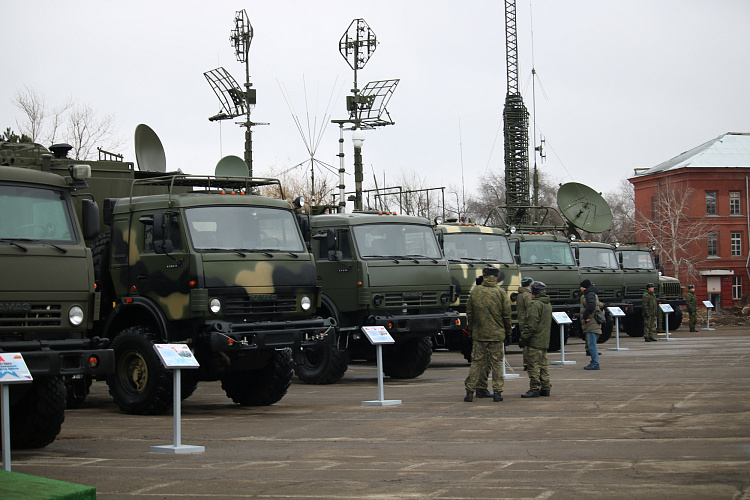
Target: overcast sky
{"type": "Point", "coordinates": [622, 84]}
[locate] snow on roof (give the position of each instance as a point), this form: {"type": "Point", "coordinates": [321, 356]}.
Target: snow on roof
{"type": "Point", "coordinates": [729, 150]}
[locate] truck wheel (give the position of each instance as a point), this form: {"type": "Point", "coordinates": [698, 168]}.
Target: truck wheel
{"type": "Point", "coordinates": [408, 359]}
{"type": "Point", "coordinates": [264, 386]}
{"type": "Point", "coordinates": [554, 337]}
{"type": "Point", "coordinates": [36, 419]}
{"type": "Point", "coordinates": [675, 318]}
{"type": "Point", "coordinates": [188, 382]}
{"type": "Point", "coordinates": [324, 364]}
{"type": "Point", "coordinates": [140, 384]}
{"type": "Point", "coordinates": [607, 328]}
{"type": "Point", "coordinates": [633, 325]}
{"type": "Point", "coordinates": [76, 389]}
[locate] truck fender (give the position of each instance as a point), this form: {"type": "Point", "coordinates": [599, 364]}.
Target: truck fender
{"type": "Point", "coordinates": [131, 311]}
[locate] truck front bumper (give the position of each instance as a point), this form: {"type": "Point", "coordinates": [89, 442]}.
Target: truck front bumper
{"type": "Point", "coordinates": [64, 357]}
{"type": "Point", "coordinates": [226, 337]}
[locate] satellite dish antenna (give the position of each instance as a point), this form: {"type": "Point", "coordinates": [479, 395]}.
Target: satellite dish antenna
{"type": "Point", "coordinates": [231, 166]}
{"type": "Point", "coordinates": [584, 208]}
{"type": "Point", "coordinates": [149, 153]}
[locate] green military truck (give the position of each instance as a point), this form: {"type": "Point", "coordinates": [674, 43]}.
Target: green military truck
{"type": "Point", "coordinates": [204, 261]}
{"type": "Point", "coordinates": [469, 247]}
{"type": "Point", "coordinates": [549, 258]}
{"type": "Point", "coordinates": [598, 263]}
{"type": "Point", "coordinates": [47, 298]}
{"type": "Point", "coordinates": [638, 270]}
{"type": "Point", "coordinates": [378, 269]}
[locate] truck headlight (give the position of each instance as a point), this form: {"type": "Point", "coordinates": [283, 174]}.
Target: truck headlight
{"type": "Point", "coordinates": [305, 303]}
{"type": "Point", "coordinates": [214, 305]}
{"type": "Point", "coordinates": [377, 300]}
{"type": "Point", "coordinates": [445, 298]}
{"type": "Point", "coordinates": [75, 315]}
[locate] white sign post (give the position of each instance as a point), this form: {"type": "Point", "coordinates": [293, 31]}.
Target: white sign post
{"type": "Point", "coordinates": [175, 357]}
{"type": "Point", "coordinates": [505, 362]}
{"type": "Point", "coordinates": [617, 313]}
{"type": "Point", "coordinates": [666, 309]}
{"type": "Point", "coordinates": [378, 335]}
{"type": "Point", "coordinates": [562, 319]}
{"type": "Point", "coordinates": [13, 370]}
{"type": "Point", "coordinates": [708, 305]}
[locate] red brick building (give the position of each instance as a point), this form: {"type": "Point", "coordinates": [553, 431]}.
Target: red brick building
{"type": "Point", "coordinates": [695, 209]}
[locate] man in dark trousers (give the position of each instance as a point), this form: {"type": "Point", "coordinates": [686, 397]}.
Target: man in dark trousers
{"type": "Point", "coordinates": [523, 301]}
{"type": "Point", "coordinates": [589, 326]}
{"type": "Point", "coordinates": [650, 306]}
{"type": "Point", "coordinates": [488, 320]}
{"type": "Point", "coordinates": [535, 337]}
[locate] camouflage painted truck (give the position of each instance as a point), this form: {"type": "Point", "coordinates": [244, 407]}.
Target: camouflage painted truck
{"type": "Point", "coordinates": [639, 269]}
{"type": "Point", "coordinates": [469, 247]}
{"type": "Point", "coordinates": [378, 269]}
{"type": "Point", "coordinates": [47, 296]}
{"type": "Point", "coordinates": [203, 261]}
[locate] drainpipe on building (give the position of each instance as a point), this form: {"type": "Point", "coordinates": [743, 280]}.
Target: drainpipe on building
{"type": "Point", "coordinates": [747, 216]}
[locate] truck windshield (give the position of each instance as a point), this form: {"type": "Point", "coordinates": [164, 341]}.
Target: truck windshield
{"type": "Point", "coordinates": [601, 258]}
{"type": "Point", "coordinates": [396, 240]}
{"type": "Point", "coordinates": [546, 252]}
{"type": "Point", "coordinates": [36, 213]}
{"type": "Point", "coordinates": [477, 246]}
{"type": "Point", "coordinates": [231, 228]}
{"type": "Point", "coordinates": [637, 260]}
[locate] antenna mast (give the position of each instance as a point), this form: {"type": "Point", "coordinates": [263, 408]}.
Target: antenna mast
{"type": "Point", "coordinates": [516, 129]}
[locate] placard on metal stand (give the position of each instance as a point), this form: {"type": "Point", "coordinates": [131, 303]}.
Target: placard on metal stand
{"type": "Point", "coordinates": [378, 335]}
{"type": "Point", "coordinates": [507, 375]}
{"type": "Point", "coordinates": [708, 305]}
{"type": "Point", "coordinates": [666, 309]}
{"type": "Point", "coordinates": [13, 370]}
{"type": "Point", "coordinates": [175, 357]}
{"type": "Point", "coordinates": [617, 313]}
{"type": "Point", "coordinates": [562, 319]}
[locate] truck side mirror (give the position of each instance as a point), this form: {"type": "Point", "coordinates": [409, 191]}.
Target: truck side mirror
{"type": "Point", "coordinates": [161, 242]}
{"type": "Point", "coordinates": [89, 219]}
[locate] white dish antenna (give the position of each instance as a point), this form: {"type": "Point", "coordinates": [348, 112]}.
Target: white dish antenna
{"type": "Point", "coordinates": [149, 153]}
{"type": "Point", "coordinates": [231, 166]}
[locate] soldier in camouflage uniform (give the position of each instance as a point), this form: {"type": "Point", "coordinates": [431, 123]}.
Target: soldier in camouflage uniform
{"type": "Point", "coordinates": [535, 338]}
{"type": "Point", "coordinates": [650, 310]}
{"type": "Point", "coordinates": [488, 320]}
{"type": "Point", "coordinates": [692, 307]}
{"type": "Point", "coordinates": [523, 301]}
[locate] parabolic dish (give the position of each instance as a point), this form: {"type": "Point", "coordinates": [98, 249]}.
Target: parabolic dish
{"type": "Point", "coordinates": [231, 166]}
{"type": "Point", "coordinates": [149, 153]}
{"type": "Point", "coordinates": [584, 208]}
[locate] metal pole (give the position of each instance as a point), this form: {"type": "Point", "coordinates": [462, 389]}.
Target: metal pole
{"type": "Point", "coordinates": [5, 403]}
{"type": "Point", "coordinates": [381, 392]}
{"type": "Point", "coordinates": [176, 388]}
{"type": "Point", "coordinates": [342, 186]}
{"type": "Point", "coordinates": [358, 178]}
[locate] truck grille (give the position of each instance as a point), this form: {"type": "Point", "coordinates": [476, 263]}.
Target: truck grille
{"type": "Point", "coordinates": [635, 292]}
{"type": "Point", "coordinates": [558, 295]}
{"type": "Point", "coordinates": [670, 289]}
{"type": "Point", "coordinates": [39, 315]}
{"type": "Point", "coordinates": [398, 300]}
{"type": "Point", "coordinates": [251, 306]}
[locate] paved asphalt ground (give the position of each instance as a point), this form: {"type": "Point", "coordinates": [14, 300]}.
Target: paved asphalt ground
{"type": "Point", "coordinates": [660, 420]}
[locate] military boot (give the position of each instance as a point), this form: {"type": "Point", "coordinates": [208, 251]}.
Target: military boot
{"type": "Point", "coordinates": [469, 397]}
{"type": "Point", "coordinates": [483, 393]}
{"type": "Point", "coordinates": [530, 394]}
{"type": "Point", "coordinates": [498, 396]}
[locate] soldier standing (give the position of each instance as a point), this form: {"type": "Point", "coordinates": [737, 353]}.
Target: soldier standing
{"type": "Point", "coordinates": [535, 338]}
{"type": "Point", "coordinates": [523, 301]}
{"type": "Point", "coordinates": [692, 307]}
{"type": "Point", "coordinates": [650, 310]}
{"type": "Point", "coordinates": [488, 320]}
{"type": "Point", "coordinates": [589, 326]}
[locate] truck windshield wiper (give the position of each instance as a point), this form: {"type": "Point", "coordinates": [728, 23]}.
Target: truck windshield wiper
{"type": "Point", "coordinates": [13, 242]}
{"type": "Point", "coordinates": [32, 240]}
{"type": "Point", "coordinates": [416, 256]}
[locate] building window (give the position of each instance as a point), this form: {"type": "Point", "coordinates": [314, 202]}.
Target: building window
{"type": "Point", "coordinates": [713, 244]}
{"type": "Point", "coordinates": [734, 203]}
{"type": "Point", "coordinates": [735, 241]}
{"type": "Point", "coordinates": [710, 202]}
{"type": "Point", "coordinates": [736, 287]}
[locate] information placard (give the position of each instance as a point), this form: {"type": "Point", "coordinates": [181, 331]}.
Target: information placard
{"type": "Point", "coordinates": [616, 312]}
{"type": "Point", "coordinates": [666, 308]}
{"type": "Point", "coordinates": [561, 318]}
{"type": "Point", "coordinates": [13, 369]}
{"type": "Point", "coordinates": [176, 356]}
{"type": "Point", "coordinates": [707, 303]}
{"type": "Point", "coordinates": [378, 335]}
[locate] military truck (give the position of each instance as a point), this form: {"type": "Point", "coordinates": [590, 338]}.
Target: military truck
{"type": "Point", "coordinates": [598, 263]}
{"type": "Point", "coordinates": [47, 298]}
{"type": "Point", "coordinates": [639, 269]}
{"type": "Point", "coordinates": [201, 260]}
{"type": "Point", "coordinates": [378, 269]}
{"type": "Point", "coordinates": [469, 247]}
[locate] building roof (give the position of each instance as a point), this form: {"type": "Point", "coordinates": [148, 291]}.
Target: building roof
{"type": "Point", "coordinates": [731, 150]}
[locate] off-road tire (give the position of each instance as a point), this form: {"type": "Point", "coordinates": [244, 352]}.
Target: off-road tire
{"type": "Point", "coordinates": [264, 386]}
{"type": "Point", "coordinates": [188, 382]}
{"type": "Point", "coordinates": [408, 359]}
{"type": "Point", "coordinates": [633, 325]}
{"type": "Point", "coordinates": [76, 391]}
{"type": "Point", "coordinates": [140, 384]}
{"type": "Point", "coordinates": [324, 364]}
{"type": "Point", "coordinates": [607, 328]}
{"type": "Point", "coordinates": [554, 337]}
{"type": "Point", "coordinates": [36, 419]}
